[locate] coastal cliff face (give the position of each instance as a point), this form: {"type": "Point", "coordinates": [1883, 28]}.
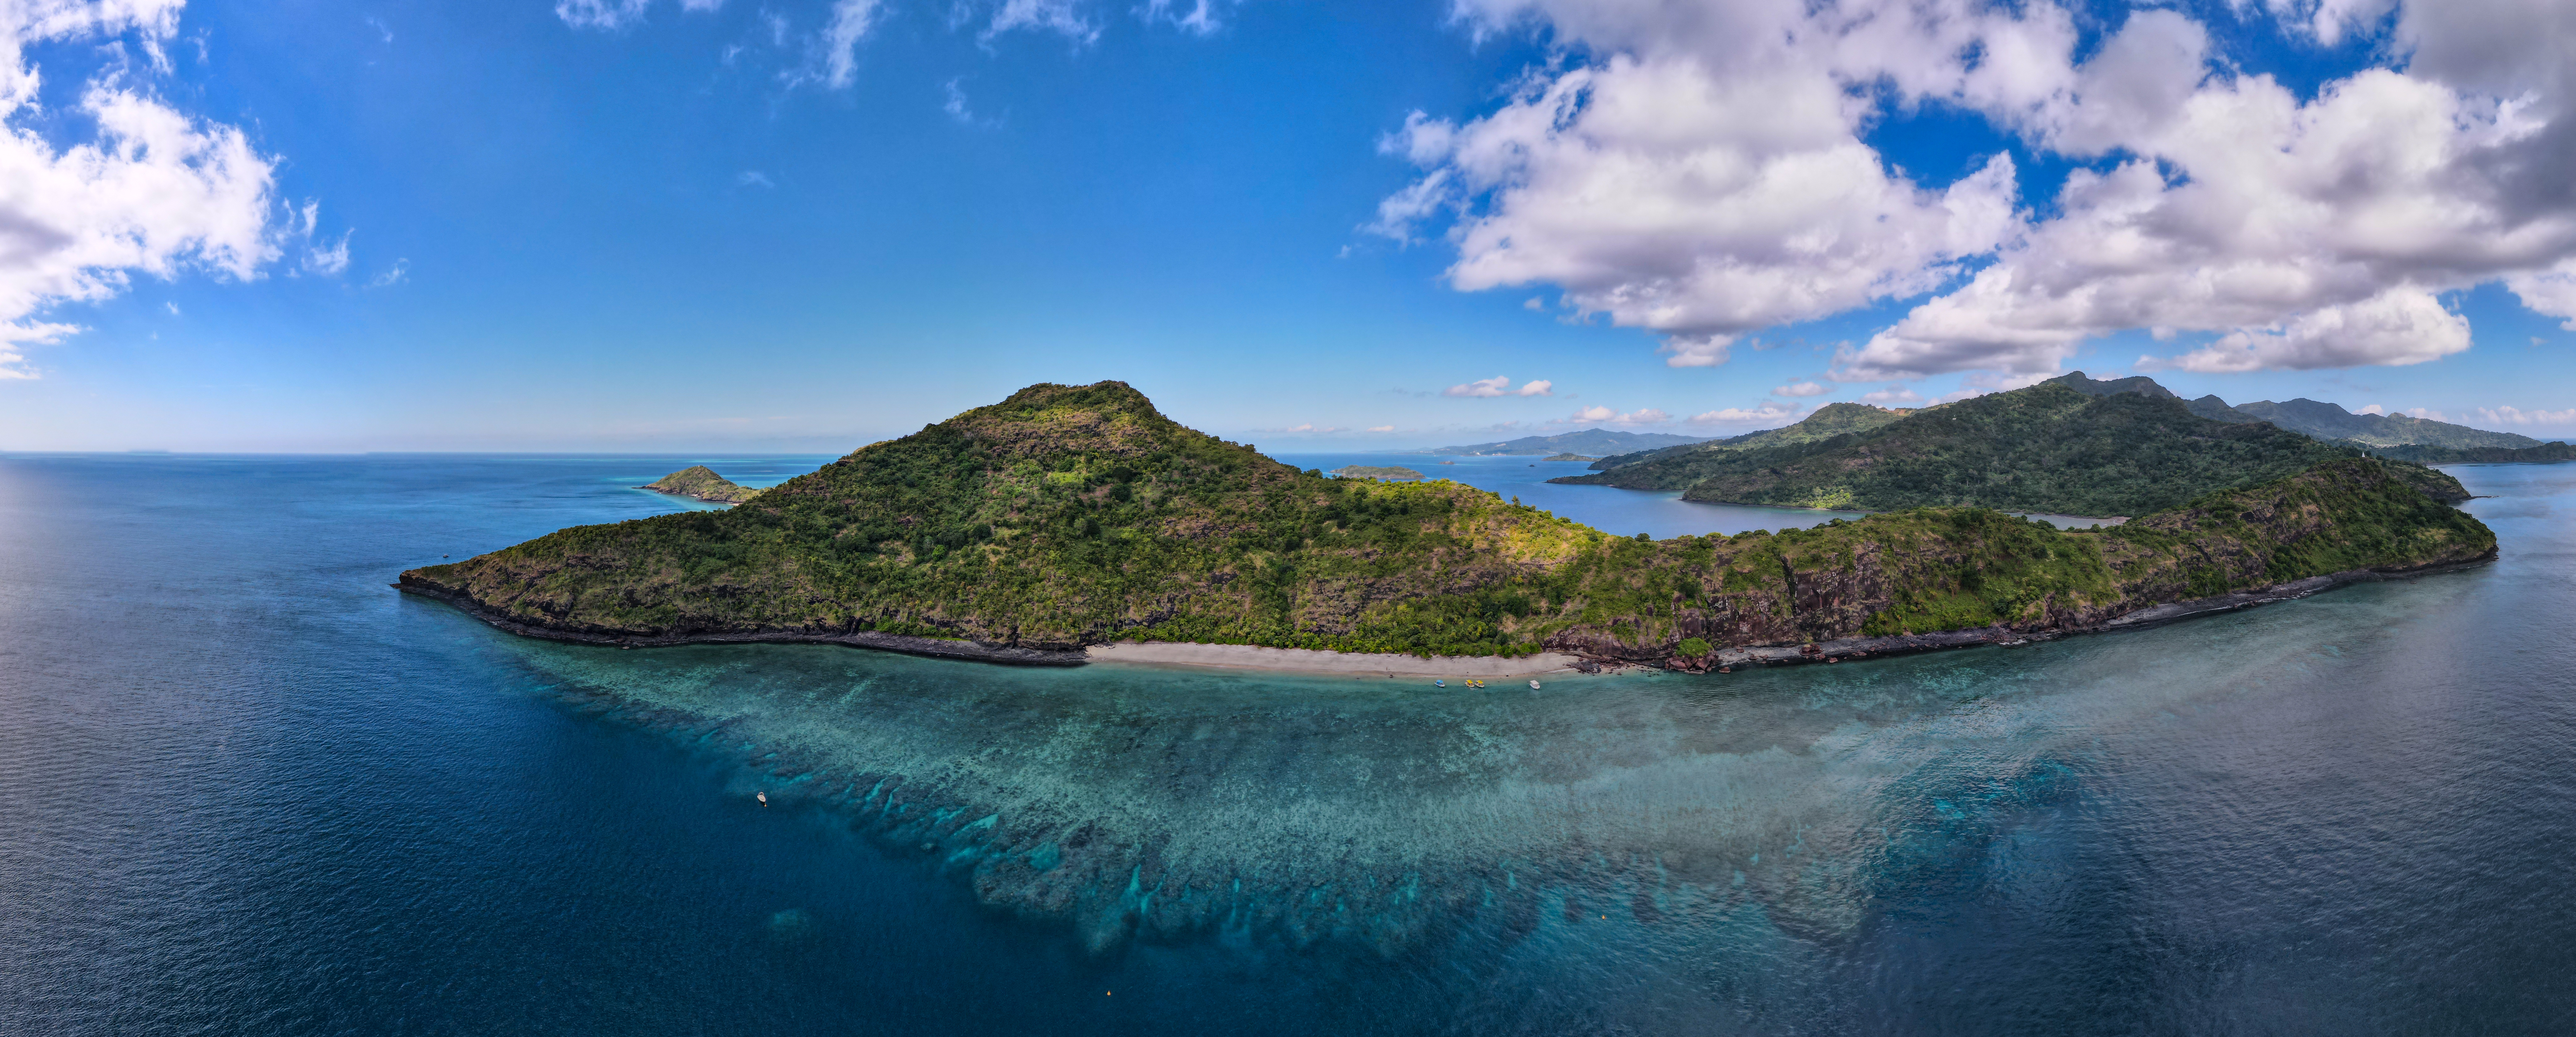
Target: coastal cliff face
{"type": "Point", "coordinates": [1068, 516]}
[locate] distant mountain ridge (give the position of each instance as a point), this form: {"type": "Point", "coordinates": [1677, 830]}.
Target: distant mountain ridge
{"type": "Point", "coordinates": [1592, 442]}
{"type": "Point", "coordinates": [2328, 421]}
{"type": "Point", "coordinates": [2068, 445]}
{"type": "Point", "coordinates": [1828, 421]}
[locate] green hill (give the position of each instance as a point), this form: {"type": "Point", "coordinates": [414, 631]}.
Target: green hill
{"type": "Point", "coordinates": [2328, 421]}
{"type": "Point", "coordinates": [1067, 516]}
{"type": "Point", "coordinates": [2048, 448]}
{"type": "Point", "coordinates": [1830, 420]}
{"type": "Point", "coordinates": [702, 483]}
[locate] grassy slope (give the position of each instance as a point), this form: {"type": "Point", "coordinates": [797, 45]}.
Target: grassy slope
{"type": "Point", "coordinates": [2045, 448]}
{"type": "Point", "coordinates": [1066, 516]}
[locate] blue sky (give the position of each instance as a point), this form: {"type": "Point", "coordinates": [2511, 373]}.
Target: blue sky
{"type": "Point", "coordinates": [531, 231]}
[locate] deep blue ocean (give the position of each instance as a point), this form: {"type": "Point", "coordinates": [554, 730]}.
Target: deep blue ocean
{"type": "Point", "coordinates": [246, 788]}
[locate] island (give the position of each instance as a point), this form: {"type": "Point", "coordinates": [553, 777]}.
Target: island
{"type": "Point", "coordinates": [2068, 446]}
{"type": "Point", "coordinates": [700, 482]}
{"type": "Point", "coordinates": [1072, 517]}
{"type": "Point", "coordinates": [1391, 474]}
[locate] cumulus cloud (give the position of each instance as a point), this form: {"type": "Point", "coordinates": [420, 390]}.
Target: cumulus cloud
{"type": "Point", "coordinates": [1892, 396]}
{"type": "Point", "coordinates": [2396, 328]}
{"type": "Point", "coordinates": [2518, 416]}
{"type": "Point", "coordinates": [1500, 386]}
{"type": "Point", "coordinates": [1697, 170]}
{"type": "Point", "coordinates": [1767, 410]}
{"type": "Point", "coordinates": [153, 190]}
{"type": "Point", "coordinates": [1608, 416]}
{"type": "Point", "coordinates": [1795, 389]}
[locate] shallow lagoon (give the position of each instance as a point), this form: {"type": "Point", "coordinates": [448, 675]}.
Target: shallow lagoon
{"type": "Point", "coordinates": [246, 787]}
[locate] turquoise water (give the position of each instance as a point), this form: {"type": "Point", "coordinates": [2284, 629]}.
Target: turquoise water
{"type": "Point", "coordinates": [245, 788]}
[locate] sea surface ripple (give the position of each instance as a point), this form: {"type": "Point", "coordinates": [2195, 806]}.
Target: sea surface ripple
{"type": "Point", "coordinates": [246, 788]}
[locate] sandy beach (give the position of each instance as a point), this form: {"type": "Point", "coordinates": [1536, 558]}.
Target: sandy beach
{"type": "Point", "coordinates": [1253, 657]}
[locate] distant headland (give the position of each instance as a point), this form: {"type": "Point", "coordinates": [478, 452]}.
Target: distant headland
{"type": "Point", "coordinates": [701, 483]}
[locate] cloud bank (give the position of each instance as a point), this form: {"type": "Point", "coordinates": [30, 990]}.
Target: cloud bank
{"type": "Point", "coordinates": [151, 190]}
{"type": "Point", "coordinates": [1701, 171]}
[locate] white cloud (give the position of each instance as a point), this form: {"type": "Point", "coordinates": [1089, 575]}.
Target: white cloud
{"type": "Point", "coordinates": [1767, 410]}
{"type": "Point", "coordinates": [955, 105]}
{"type": "Point", "coordinates": [173, 308]}
{"type": "Point", "coordinates": [1498, 385]}
{"type": "Point", "coordinates": [1379, 428]}
{"type": "Point", "coordinates": [1697, 169]}
{"type": "Point", "coordinates": [1695, 350]}
{"type": "Point", "coordinates": [2551, 291]}
{"type": "Point", "coordinates": [1197, 17]}
{"type": "Point", "coordinates": [1607, 416]}
{"type": "Point", "coordinates": [329, 262]}
{"type": "Point", "coordinates": [2518, 416]}
{"type": "Point", "coordinates": [851, 20]}
{"type": "Point", "coordinates": [605, 14]}
{"type": "Point", "coordinates": [152, 190]}
{"type": "Point", "coordinates": [1894, 395]}
{"type": "Point", "coordinates": [392, 276]}
{"type": "Point", "coordinates": [2398, 327]}
{"type": "Point", "coordinates": [1795, 389]}
{"type": "Point", "coordinates": [753, 178]}
{"type": "Point", "coordinates": [1059, 16]}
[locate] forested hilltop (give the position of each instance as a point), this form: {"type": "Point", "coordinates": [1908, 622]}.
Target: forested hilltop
{"type": "Point", "coordinates": [2047, 448]}
{"type": "Point", "coordinates": [1067, 516]}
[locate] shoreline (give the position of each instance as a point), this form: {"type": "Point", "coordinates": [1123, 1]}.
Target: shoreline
{"type": "Point", "coordinates": [932, 647]}
{"type": "Point", "coordinates": [1309, 660]}
{"type": "Point", "coordinates": [1314, 660]}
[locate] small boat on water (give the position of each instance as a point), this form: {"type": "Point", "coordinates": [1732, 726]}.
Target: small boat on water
{"type": "Point", "coordinates": [763, 797]}
{"type": "Point", "coordinates": [1533, 685]}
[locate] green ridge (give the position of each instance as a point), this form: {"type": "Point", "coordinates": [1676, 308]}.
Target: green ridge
{"type": "Point", "coordinates": [2048, 448]}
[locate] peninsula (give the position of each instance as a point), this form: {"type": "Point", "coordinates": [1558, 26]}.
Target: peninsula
{"type": "Point", "coordinates": [2068, 446]}
{"type": "Point", "coordinates": [1074, 516]}
{"type": "Point", "coordinates": [700, 482]}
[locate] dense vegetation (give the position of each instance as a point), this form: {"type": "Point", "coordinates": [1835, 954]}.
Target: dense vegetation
{"type": "Point", "coordinates": [1074, 515]}
{"type": "Point", "coordinates": [1830, 420]}
{"type": "Point", "coordinates": [2046, 448]}
{"type": "Point", "coordinates": [702, 482]}
{"type": "Point", "coordinates": [1387, 472]}
{"type": "Point", "coordinates": [2330, 422]}
{"type": "Point", "coordinates": [2545, 453]}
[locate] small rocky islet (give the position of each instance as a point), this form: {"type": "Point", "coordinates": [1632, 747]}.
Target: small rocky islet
{"type": "Point", "coordinates": [1069, 516]}
{"type": "Point", "coordinates": [699, 482]}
